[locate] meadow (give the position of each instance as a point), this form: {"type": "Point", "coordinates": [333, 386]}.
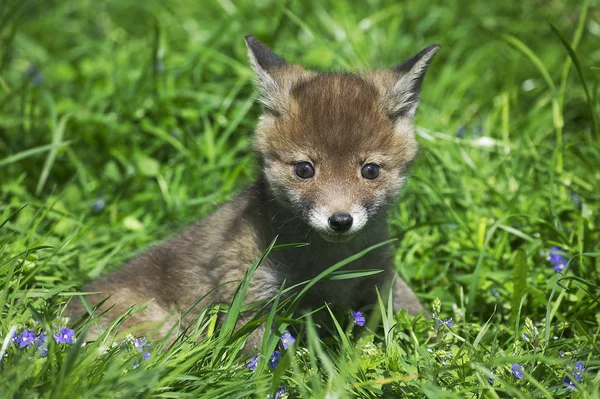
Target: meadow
{"type": "Point", "coordinates": [122, 122]}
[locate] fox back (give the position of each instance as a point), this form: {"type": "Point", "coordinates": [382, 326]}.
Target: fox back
{"type": "Point", "coordinates": [334, 149]}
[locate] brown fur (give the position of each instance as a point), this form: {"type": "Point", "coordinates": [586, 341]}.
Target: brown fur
{"type": "Point", "coordinates": [338, 122]}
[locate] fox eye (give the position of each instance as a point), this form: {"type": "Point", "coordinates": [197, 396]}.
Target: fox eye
{"type": "Point", "coordinates": [304, 170]}
{"type": "Point", "coordinates": [370, 171]}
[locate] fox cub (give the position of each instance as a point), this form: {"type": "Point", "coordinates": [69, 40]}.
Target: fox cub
{"type": "Point", "coordinates": [333, 150]}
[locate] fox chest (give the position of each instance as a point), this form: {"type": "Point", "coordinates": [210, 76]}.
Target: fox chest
{"type": "Point", "coordinates": [343, 288]}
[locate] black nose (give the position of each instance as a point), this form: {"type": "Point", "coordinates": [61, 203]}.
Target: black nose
{"type": "Point", "coordinates": [340, 222]}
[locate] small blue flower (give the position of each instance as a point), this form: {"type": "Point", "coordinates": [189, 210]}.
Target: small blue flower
{"type": "Point", "coordinates": [65, 336]}
{"type": "Point", "coordinates": [27, 338]}
{"type": "Point", "coordinates": [525, 337]}
{"type": "Point", "coordinates": [358, 318]}
{"type": "Point", "coordinates": [31, 71]}
{"type": "Point", "coordinates": [252, 363]}
{"type": "Point", "coordinates": [278, 394]}
{"type": "Point", "coordinates": [146, 356]}
{"type": "Point", "coordinates": [569, 385]}
{"type": "Point", "coordinates": [140, 344]}
{"type": "Point", "coordinates": [135, 365]}
{"type": "Point", "coordinates": [37, 79]}
{"type": "Point", "coordinates": [447, 323]}
{"type": "Point", "coordinates": [98, 205]}
{"type": "Point", "coordinates": [579, 369]}
{"type": "Point", "coordinates": [41, 343]}
{"type": "Point", "coordinates": [287, 339]}
{"type": "Point", "coordinates": [490, 379]}
{"type": "Point", "coordinates": [275, 358]}
{"type": "Point", "coordinates": [517, 370]}
{"type": "Point", "coordinates": [561, 353]}
{"type": "Point", "coordinates": [495, 292]}
{"type": "Point", "coordinates": [557, 260]}
{"type": "Point", "coordinates": [15, 338]}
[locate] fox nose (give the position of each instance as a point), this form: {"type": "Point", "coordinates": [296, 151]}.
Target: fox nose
{"type": "Point", "coordinates": [340, 222]}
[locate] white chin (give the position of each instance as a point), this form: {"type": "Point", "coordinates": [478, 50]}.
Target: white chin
{"type": "Point", "coordinates": [336, 238]}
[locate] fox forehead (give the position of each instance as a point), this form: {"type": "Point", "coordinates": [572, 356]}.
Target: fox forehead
{"type": "Point", "coordinates": [336, 115]}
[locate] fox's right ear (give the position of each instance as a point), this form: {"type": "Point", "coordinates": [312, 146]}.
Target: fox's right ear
{"type": "Point", "coordinates": [274, 76]}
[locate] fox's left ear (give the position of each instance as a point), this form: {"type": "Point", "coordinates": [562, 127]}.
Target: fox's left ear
{"type": "Point", "coordinates": [406, 89]}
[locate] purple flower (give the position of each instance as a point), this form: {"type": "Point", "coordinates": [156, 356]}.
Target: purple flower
{"type": "Point", "coordinates": [358, 318]}
{"type": "Point", "coordinates": [41, 343]}
{"type": "Point", "coordinates": [561, 353]}
{"type": "Point", "coordinates": [569, 385]}
{"type": "Point", "coordinates": [65, 336]}
{"type": "Point", "coordinates": [287, 339]}
{"type": "Point", "coordinates": [447, 323]}
{"type": "Point", "coordinates": [278, 394]}
{"type": "Point", "coordinates": [140, 344]}
{"type": "Point", "coordinates": [252, 363]}
{"type": "Point", "coordinates": [495, 292]}
{"type": "Point", "coordinates": [556, 259]}
{"type": "Point", "coordinates": [579, 369]}
{"type": "Point", "coordinates": [27, 338]}
{"type": "Point", "coordinates": [517, 370]}
{"type": "Point", "coordinates": [275, 358]}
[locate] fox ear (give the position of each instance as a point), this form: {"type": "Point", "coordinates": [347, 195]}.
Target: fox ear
{"type": "Point", "coordinates": [269, 68]}
{"type": "Point", "coordinates": [407, 87]}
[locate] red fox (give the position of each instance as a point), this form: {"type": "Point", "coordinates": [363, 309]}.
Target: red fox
{"type": "Point", "coordinates": [334, 149]}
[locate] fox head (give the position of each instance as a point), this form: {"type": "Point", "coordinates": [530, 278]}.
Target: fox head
{"type": "Point", "coordinates": [335, 147]}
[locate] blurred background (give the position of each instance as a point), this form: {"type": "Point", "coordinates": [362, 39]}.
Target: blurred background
{"type": "Point", "coordinates": [122, 121]}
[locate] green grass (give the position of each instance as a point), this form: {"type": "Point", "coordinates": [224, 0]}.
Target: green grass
{"type": "Point", "coordinates": [149, 107]}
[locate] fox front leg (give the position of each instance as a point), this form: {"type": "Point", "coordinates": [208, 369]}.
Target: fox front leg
{"type": "Point", "coordinates": [404, 298]}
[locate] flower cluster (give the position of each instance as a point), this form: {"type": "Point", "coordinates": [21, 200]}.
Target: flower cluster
{"type": "Point", "coordinates": [577, 376]}
{"type": "Point", "coordinates": [287, 340]}
{"type": "Point", "coordinates": [29, 338]}
{"type": "Point", "coordinates": [140, 344]}
{"type": "Point", "coordinates": [447, 323]}
{"type": "Point", "coordinates": [577, 372]}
